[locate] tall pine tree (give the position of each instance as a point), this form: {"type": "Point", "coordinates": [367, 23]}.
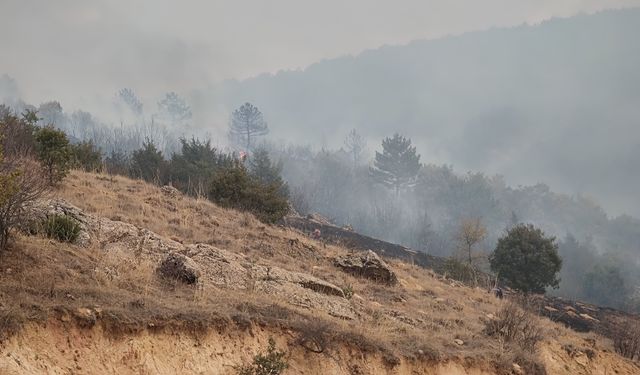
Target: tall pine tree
{"type": "Point", "coordinates": [247, 123]}
{"type": "Point", "coordinates": [398, 164]}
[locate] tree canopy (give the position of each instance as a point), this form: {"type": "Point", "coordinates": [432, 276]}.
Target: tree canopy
{"type": "Point", "coordinates": [246, 123]}
{"type": "Point", "coordinates": [398, 164]}
{"type": "Point", "coordinates": [527, 260]}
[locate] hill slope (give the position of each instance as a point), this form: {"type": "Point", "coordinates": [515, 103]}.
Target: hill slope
{"type": "Point", "coordinates": [101, 306]}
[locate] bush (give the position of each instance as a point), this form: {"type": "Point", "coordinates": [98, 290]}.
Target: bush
{"type": "Point", "coordinates": [272, 363]}
{"type": "Point", "coordinates": [54, 153]}
{"type": "Point", "coordinates": [459, 270]}
{"type": "Point", "coordinates": [348, 291]}
{"type": "Point", "coordinates": [62, 228]}
{"type": "Point", "coordinates": [193, 168]}
{"type": "Point", "coordinates": [527, 260]}
{"type": "Point", "coordinates": [148, 163]}
{"type": "Point", "coordinates": [515, 325]}
{"type": "Point", "coordinates": [86, 156]}
{"type": "Point", "coordinates": [626, 339]}
{"type": "Point", "coordinates": [118, 163]}
{"type": "Point", "coordinates": [233, 187]}
{"type": "Point", "coordinates": [314, 335]}
{"type": "Point", "coordinates": [18, 131]}
{"type": "Point", "coordinates": [20, 184]}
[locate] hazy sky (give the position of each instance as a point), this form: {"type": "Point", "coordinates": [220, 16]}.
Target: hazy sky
{"type": "Point", "coordinates": [76, 51]}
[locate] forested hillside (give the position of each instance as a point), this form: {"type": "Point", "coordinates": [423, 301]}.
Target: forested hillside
{"type": "Point", "coordinates": [555, 102]}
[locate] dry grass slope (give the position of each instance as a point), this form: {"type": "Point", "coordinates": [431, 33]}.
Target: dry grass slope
{"type": "Point", "coordinates": [423, 321]}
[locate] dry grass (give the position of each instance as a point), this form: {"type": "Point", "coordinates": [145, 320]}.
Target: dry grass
{"type": "Point", "coordinates": [419, 319]}
{"type": "Point", "coordinates": [515, 325]}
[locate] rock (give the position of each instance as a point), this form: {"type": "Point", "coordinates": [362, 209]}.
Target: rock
{"type": "Point", "coordinates": [178, 267]}
{"type": "Point", "coordinates": [302, 290]}
{"type": "Point", "coordinates": [38, 213]}
{"type": "Point", "coordinates": [368, 265]}
{"type": "Point", "coordinates": [170, 191]}
{"type": "Point", "coordinates": [581, 358]}
{"type": "Point", "coordinates": [85, 317]}
{"type": "Point", "coordinates": [319, 219]}
{"type": "Point", "coordinates": [517, 369]}
{"type": "Point", "coordinates": [323, 287]}
{"type": "Point", "coordinates": [588, 317]}
{"type": "Point", "coordinates": [458, 342]}
{"type": "Point", "coordinates": [64, 317]}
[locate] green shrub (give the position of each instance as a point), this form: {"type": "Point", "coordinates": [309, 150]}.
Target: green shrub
{"type": "Point", "coordinates": [348, 291]}
{"type": "Point", "coordinates": [233, 187]}
{"type": "Point", "coordinates": [86, 156]}
{"type": "Point", "coordinates": [54, 153]}
{"type": "Point", "coordinates": [458, 270]}
{"type": "Point", "coordinates": [62, 228]}
{"type": "Point", "coordinates": [148, 163]}
{"type": "Point", "coordinates": [271, 363]}
{"type": "Point", "coordinates": [527, 260]}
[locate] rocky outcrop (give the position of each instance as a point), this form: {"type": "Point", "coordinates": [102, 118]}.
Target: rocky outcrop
{"type": "Point", "coordinates": [200, 264]}
{"type": "Point", "coordinates": [38, 213]}
{"type": "Point", "coordinates": [369, 265]}
{"type": "Point", "coordinates": [170, 191]}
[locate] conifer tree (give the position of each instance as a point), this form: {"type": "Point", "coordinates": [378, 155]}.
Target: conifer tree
{"type": "Point", "coordinates": [247, 123]}
{"type": "Point", "coordinates": [398, 164]}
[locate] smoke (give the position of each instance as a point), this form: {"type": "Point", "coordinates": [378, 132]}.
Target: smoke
{"type": "Point", "coordinates": [82, 52]}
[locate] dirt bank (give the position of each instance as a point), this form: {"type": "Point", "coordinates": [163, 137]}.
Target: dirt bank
{"type": "Point", "coordinates": [58, 348]}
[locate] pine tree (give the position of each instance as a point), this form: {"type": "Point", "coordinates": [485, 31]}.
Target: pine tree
{"type": "Point", "coordinates": [266, 172]}
{"type": "Point", "coordinates": [398, 164]}
{"type": "Point", "coordinates": [246, 123]}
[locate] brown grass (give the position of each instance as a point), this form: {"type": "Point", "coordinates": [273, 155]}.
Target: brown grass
{"type": "Point", "coordinates": [420, 319]}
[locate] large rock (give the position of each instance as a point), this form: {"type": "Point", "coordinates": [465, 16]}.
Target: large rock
{"type": "Point", "coordinates": [38, 212]}
{"type": "Point", "coordinates": [180, 268]}
{"type": "Point", "coordinates": [367, 264]}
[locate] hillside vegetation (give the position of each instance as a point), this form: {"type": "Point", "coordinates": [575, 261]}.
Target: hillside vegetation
{"type": "Point", "coordinates": [99, 305]}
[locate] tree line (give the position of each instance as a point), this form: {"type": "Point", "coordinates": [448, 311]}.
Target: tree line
{"type": "Point", "coordinates": [35, 159]}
